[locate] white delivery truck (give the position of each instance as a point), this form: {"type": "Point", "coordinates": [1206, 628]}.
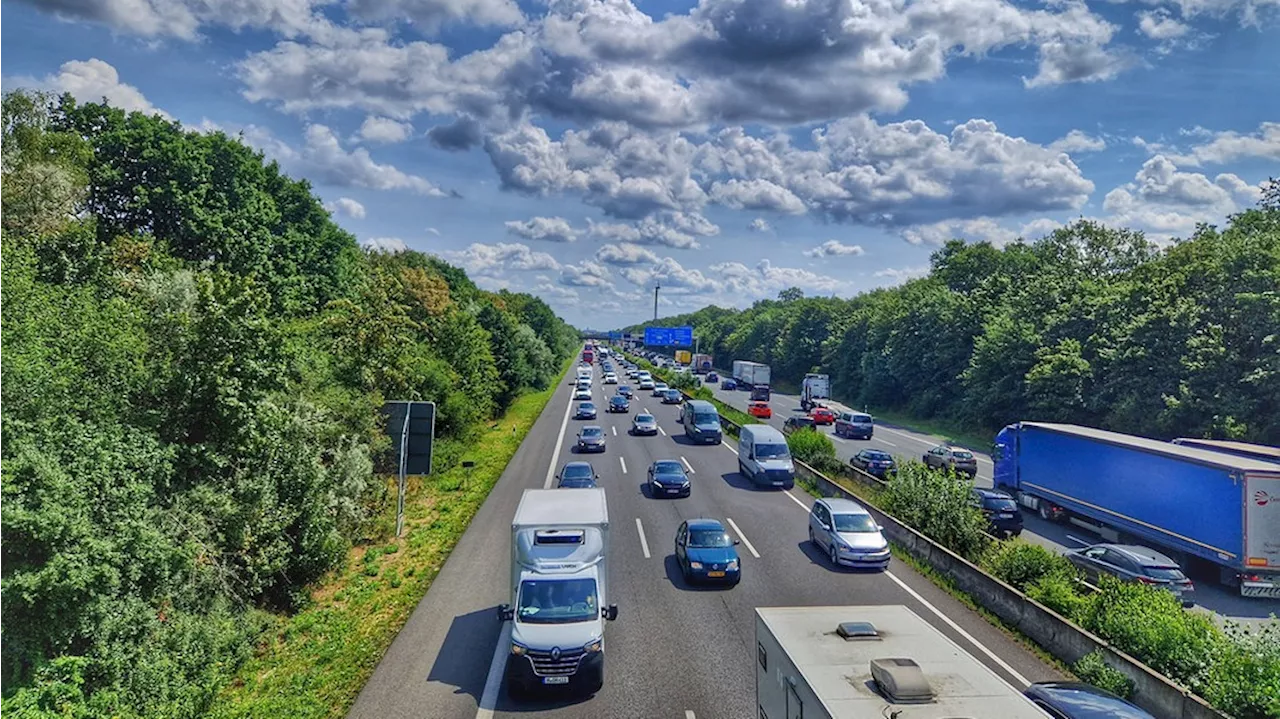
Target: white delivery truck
{"type": "Point", "coordinates": [872, 662]}
{"type": "Point", "coordinates": [751, 373]}
{"type": "Point", "coordinates": [559, 591]}
{"type": "Point", "coordinates": [814, 388]}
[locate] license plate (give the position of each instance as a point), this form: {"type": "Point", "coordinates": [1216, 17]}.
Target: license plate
{"type": "Point", "coordinates": [778, 484]}
{"type": "Point", "coordinates": [555, 680]}
{"type": "Point", "coordinates": [673, 491]}
{"type": "Point", "coordinates": [715, 574]}
{"type": "Point", "coordinates": [1005, 515]}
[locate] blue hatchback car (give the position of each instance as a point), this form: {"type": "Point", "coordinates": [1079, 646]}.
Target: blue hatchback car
{"type": "Point", "coordinates": [706, 553]}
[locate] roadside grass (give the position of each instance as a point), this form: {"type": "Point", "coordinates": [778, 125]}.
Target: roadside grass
{"type": "Point", "coordinates": [313, 664]}
{"type": "Point", "coordinates": [952, 432]}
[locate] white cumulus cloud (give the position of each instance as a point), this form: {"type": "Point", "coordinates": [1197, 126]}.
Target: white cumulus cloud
{"type": "Point", "coordinates": [835, 248]}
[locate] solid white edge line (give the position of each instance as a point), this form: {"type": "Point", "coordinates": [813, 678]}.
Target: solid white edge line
{"type": "Point", "coordinates": [624, 464]}
{"type": "Point", "coordinates": [551, 469]}
{"type": "Point", "coordinates": [728, 447]}
{"type": "Point", "coordinates": [1013, 673]}
{"type": "Point", "coordinates": [743, 537]}
{"type": "Point", "coordinates": [493, 683]}
{"type": "Point", "coordinates": [1004, 665]}
{"type": "Point", "coordinates": [803, 506]}
{"type": "Point", "coordinates": [687, 465]}
{"type": "Point", "coordinates": [891, 444]}
{"type": "Point", "coordinates": [663, 431]}
{"type": "Point", "coordinates": [644, 543]}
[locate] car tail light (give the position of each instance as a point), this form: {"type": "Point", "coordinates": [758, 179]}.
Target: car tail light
{"type": "Point", "coordinates": [1148, 580]}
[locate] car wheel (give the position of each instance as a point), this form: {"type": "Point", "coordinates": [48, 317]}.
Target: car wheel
{"type": "Point", "coordinates": [597, 682]}
{"type": "Point", "coordinates": [835, 555]}
{"type": "Point", "coordinates": [812, 540]}
{"type": "Point", "coordinates": [684, 572]}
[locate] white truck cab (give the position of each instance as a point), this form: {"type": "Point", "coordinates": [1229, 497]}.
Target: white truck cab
{"type": "Point", "coordinates": [559, 591]}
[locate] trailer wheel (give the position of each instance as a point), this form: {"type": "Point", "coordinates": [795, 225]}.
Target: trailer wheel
{"type": "Point", "coordinates": [1046, 513]}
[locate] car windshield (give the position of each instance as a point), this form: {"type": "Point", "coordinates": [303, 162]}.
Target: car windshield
{"type": "Point", "coordinates": [706, 418]}
{"type": "Point", "coordinates": [643, 418]}
{"type": "Point", "coordinates": [586, 405]}
{"type": "Point", "coordinates": [876, 455]}
{"type": "Point", "coordinates": [1170, 573]}
{"type": "Point", "coordinates": [590, 432]}
{"type": "Point", "coordinates": [854, 523]}
{"type": "Point", "coordinates": [771, 451]}
{"type": "Point", "coordinates": [1000, 504]}
{"type": "Point", "coordinates": [667, 467]}
{"type": "Point", "coordinates": [577, 471]}
{"type": "Point", "coordinates": [544, 601]}
{"type": "Point", "coordinates": [961, 454]}
{"type": "Point", "coordinates": [709, 538]}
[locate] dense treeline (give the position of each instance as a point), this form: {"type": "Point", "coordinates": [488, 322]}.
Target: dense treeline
{"type": "Point", "coordinates": [1090, 325]}
{"type": "Point", "coordinates": [194, 359]}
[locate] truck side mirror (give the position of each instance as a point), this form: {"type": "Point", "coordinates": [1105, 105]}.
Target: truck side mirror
{"type": "Point", "coordinates": [505, 612]}
{"type": "Point", "coordinates": [611, 612]}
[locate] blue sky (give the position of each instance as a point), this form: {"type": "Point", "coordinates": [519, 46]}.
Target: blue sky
{"type": "Point", "coordinates": [583, 150]}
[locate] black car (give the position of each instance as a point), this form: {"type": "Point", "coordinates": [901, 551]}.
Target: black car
{"type": "Point", "coordinates": [577, 475]}
{"type": "Point", "coordinates": [712, 378]}
{"type": "Point", "coordinates": [618, 403]}
{"type": "Point", "coordinates": [1077, 700]}
{"type": "Point", "coordinates": [672, 396]}
{"type": "Point", "coordinates": [625, 391]}
{"type": "Point", "coordinates": [667, 478]}
{"type": "Point", "coordinates": [795, 424]}
{"type": "Point", "coordinates": [875, 462]}
{"type": "Point", "coordinates": [1004, 517]}
{"type": "Point", "coordinates": [591, 439]}
{"type": "Point", "coordinates": [586, 410]}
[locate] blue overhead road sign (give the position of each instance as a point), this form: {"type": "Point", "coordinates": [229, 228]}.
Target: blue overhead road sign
{"type": "Point", "coordinates": [668, 336]}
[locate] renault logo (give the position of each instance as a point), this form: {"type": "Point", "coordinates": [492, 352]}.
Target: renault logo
{"type": "Point", "coordinates": [555, 653]}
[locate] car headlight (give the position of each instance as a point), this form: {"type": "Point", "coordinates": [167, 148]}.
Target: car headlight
{"type": "Point", "coordinates": [733, 564]}
{"type": "Point", "coordinates": [518, 650]}
{"type": "Point", "coordinates": [695, 565]}
{"type": "Point", "coordinates": [596, 646]}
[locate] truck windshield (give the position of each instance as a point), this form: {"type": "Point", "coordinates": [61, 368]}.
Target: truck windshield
{"type": "Point", "coordinates": [702, 418]}
{"type": "Point", "coordinates": [771, 451]}
{"type": "Point", "coordinates": [560, 601]}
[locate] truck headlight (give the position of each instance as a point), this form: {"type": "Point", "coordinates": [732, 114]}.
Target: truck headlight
{"type": "Point", "coordinates": [518, 650]}
{"type": "Point", "coordinates": [596, 646]}
{"type": "Point", "coordinates": [695, 565]}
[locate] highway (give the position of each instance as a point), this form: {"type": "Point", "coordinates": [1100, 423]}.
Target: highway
{"type": "Point", "coordinates": [675, 651]}
{"type": "Point", "coordinates": [905, 444]}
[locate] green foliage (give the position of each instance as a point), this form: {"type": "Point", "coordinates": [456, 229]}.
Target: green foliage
{"type": "Point", "coordinates": [1061, 594]}
{"type": "Point", "coordinates": [1151, 624]}
{"type": "Point", "coordinates": [1091, 325]}
{"type": "Point", "coordinates": [1021, 563]}
{"type": "Point", "coordinates": [810, 446]}
{"type": "Point", "coordinates": [938, 505]}
{"type": "Point", "coordinates": [1093, 668]}
{"type": "Point", "coordinates": [1244, 679]}
{"type": "Point", "coordinates": [195, 356]}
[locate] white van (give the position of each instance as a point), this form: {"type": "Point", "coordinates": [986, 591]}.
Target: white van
{"type": "Point", "coordinates": [763, 456]}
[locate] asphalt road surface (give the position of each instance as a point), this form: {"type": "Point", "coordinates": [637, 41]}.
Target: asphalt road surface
{"type": "Point", "coordinates": [1226, 603]}
{"type": "Point", "coordinates": [675, 651]}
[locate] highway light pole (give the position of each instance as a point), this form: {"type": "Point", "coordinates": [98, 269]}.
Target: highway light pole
{"type": "Point", "coordinates": [657, 286]}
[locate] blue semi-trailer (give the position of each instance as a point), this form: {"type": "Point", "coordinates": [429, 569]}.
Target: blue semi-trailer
{"type": "Point", "coordinates": [1240, 449]}
{"type": "Point", "coordinates": [1198, 505]}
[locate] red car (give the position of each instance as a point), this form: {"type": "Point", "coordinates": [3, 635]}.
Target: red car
{"type": "Point", "coordinates": [822, 415]}
{"type": "Point", "coordinates": [760, 410]}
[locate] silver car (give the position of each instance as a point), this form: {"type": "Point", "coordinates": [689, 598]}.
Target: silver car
{"type": "Point", "coordinates": [644, 423]}
{"type": "Point", "coordinates": [958, 460]}
{"type": "Point", "coordinates": [581, 395]}
{"type": "Point", "coordinates": [847, 533]}
{"type": "Point", "coordinates": [1134, 563]}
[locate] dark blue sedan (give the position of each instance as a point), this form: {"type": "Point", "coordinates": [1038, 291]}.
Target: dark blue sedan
{"type": "Point", "coordinates": [667, 478]}
{"type": "Point", "coordinates": [1077, 700]}
{"type": "Point", "coordinates": [729, 383]}
{"type": "Point", "coordinates": [705, 552]}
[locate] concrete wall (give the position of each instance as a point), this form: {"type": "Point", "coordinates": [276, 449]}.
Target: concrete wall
{"type": "Point", "coordinates": [1055, 633]}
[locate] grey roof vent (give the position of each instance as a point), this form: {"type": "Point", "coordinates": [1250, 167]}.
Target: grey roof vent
{"type": "Point", "coordinates": [901, 680]}
{"type": "Point", "coordinates": [857, 630]}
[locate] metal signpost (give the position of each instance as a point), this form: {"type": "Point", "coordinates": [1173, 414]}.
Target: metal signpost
{"type": "Point", "coordinates": [413, 426]}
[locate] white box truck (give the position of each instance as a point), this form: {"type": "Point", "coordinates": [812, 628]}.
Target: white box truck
{"type": "Point", "coordinates": [751, 373]}
{"type": "Point", "coordinates": [559, 591]}
{"type": "Point", "coordinates": [872, 662]}
{"type": "Point", "coordinates": [814, 388]}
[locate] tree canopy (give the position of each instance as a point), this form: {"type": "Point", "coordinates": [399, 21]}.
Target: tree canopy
{"type": "Point", "coordinates": [1090, 325]}
{"type": "Point", "coordinates": [195, 356]}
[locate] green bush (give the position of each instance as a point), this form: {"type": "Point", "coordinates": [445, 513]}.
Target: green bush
{"type": "Point", "coordinates": [810, 446]}
{"type": "Point", "coordinates": [1151, 624]}
{"type": "Point", "coordinates": [1244, 679]}
{"type": "Point", "coordinates": [1020, 563]}
{"type": "Point", "coordinates": [939, 506]}
{"type": "Point", "coordinates": [1061, 594]}
{"type": "Point", "coordinates": [1093, 668]}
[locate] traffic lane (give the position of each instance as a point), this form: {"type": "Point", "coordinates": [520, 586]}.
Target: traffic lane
{"type": "Point", "coordinates": [776, 523]}
{"type": "Point", "coordinates": [670, 636]}
{"type": "Point", "coordinates": [442, 656]}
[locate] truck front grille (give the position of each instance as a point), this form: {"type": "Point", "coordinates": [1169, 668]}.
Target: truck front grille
{"type": "Point", "coordinates": [545, 666]}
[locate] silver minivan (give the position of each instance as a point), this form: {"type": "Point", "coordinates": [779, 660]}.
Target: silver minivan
{"type": "Point", "coordinates": [854, 425]}
{"type": "Point", "coordinates": [763, 456]}
{"type": "Point", "coordinates": [847, 533]}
